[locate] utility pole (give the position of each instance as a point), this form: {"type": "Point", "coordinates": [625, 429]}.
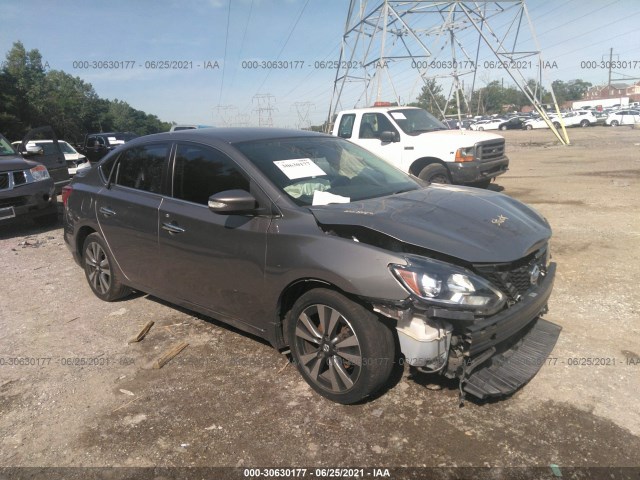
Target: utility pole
{"type": "Point", "coordinates": [264, 108]}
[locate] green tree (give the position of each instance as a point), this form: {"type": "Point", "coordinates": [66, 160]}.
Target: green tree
{"type": "Point", "coordinates": [431, 98]}
{"type": "Point", "coordinates": [23, 88]}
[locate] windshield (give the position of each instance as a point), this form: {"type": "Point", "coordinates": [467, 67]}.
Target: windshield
{"type": "Point", "coordinates": [5, 147]}
{"type": "Point", "coordinates": [66, 148]}
{"type": "Point", "coordinates": [318, 171]}
{"type": "Point", "coordinates": [414, 121]}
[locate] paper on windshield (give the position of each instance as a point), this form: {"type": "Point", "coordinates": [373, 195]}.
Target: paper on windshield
{"type": "Point", "coordinates": [398, 115]}
{"type": "Point", "coordinates": [299, 168]}
{"type": "Point", "coordinates": [325, 198]}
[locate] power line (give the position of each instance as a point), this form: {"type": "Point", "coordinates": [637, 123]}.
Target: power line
{"type": "Point", "coordinates": [224, 58]}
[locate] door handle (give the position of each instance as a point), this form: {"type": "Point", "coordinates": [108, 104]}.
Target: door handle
{"type": "Point", "coordinates": [172, 228]}
{"type": "Point", "coordinates": [107, 212]}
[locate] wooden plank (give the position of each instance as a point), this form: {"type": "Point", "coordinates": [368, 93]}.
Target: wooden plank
{"type": "Point", "coordinates": [142, 333]}
{"type": "Point", "coordinates": [169, 354]}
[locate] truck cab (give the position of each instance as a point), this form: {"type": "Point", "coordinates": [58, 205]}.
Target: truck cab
{"type": "Point", "coordinates": [415, 141]}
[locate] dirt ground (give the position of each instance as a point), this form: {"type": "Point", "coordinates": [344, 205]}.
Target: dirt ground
{"type": "Point", "coordinates": [81, 396]}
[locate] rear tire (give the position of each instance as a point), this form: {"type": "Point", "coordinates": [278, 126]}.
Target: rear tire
{"type": "Point", "coordinates": [585, 123]}
{"type": "Point", "coordinates": [435, 173]}
{"type": "Point", "coordinates": [529, 127]}
{"type": "Point", "coordinates": [614, 123]}
{"type": "Point", "coordinates": [99, 269]}
{"type": "Point", "coordinates": [341, 349]}
{"type": "Point", "coordinates": [503, 127]}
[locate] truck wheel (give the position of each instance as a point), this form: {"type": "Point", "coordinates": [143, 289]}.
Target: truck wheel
{"type": "Point", "coordinates": [435, 173]}
{"type": "Point", "coordinates": [342, 350]}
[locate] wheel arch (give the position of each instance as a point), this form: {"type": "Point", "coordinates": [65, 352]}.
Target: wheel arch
{"type": "Point", "coordinates": [288, 298]}
{"type": "Point", "coordinates": [417, 166]}
{"type": "Point", "coordinates": [81, 236]}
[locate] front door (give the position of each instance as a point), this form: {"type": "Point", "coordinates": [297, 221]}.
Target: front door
{"type": "Point", "coordinates": [371, 127]}
{"type": "Point", "coordinates": [207, 259]}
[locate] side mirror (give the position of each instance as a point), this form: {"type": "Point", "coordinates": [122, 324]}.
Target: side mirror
{"type": "Point", "coordinates": [33, 150]}
{"type": "Point", "coordinates": [389, 137]}
{"type": "Point", "coordinates": [232, 202]}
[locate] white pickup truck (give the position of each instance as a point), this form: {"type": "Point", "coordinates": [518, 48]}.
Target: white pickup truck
{"type": "Point", "coordinates": [415, 141]}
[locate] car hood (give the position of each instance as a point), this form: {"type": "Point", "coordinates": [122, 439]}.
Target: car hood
{"type": "Point", "coordinates": [470, 136]}
{"type": "Point", "coordinates": [15, 162]}
{"type": "Point", "coordinates": [474, 225]}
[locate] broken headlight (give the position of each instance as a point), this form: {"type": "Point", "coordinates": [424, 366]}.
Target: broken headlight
{"type": "Point", "coordinates": [448, 285]}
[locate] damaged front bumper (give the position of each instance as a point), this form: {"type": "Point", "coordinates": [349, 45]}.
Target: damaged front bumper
{"type": "Point", "coordinates": [491, 356]}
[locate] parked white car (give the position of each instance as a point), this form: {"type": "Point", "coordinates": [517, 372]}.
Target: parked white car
{"type": "Point", "coordinates": [623, 117]}
{"type": "Point", "coordinates": [492, 124]}
{"type": "Point", "coordinates": [579, 118]}
{"type": "Point", "coordinates": [75, 161]}
{"type": "Point", "coordinates": [534, 123]}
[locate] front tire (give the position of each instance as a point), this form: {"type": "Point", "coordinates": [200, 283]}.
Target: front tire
{"type": "Point", "coordinates": [503, 127]}
{"type": "Point", "coordinates": [99, 270]}
{"type": "Point", "coordinates": [342, 350]}
{"type": "Point", "coordinates": [529, 127]}
{"type": "Point", "coordinates": [435, 173]}
{"type": "Point", "coordinates": [585, 123]}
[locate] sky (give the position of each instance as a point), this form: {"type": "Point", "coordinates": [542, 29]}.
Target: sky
{"type": "Point", "coordinates": [240, 59]}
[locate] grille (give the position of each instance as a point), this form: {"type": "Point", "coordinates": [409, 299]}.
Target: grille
{"type": "Point", "coordinates": [13, 202]}
{"type": "Point", "coordinates": [9, 180]}
{"type": "Point", "coordinates": [19, 178]}
{"type": "Point", "coordinates": [515, 279]}
{"type": "Point", "coordinates": [490, 150]}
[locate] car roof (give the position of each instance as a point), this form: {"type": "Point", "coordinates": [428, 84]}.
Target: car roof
{"type": "Point", "coordinates": [230, 135]}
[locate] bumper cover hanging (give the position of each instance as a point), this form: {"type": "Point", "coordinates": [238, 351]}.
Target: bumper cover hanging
{"type": "Point", "coordinates": [504, 373]}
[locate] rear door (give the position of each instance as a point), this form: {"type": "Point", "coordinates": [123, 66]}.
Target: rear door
{"type": "Point", "coordinates": [127, 211]}
{"type": "Point", "coordinates": [51, 157]}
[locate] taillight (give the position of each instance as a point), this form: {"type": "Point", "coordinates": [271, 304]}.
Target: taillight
{"type": "Point", "coordinates": [66, 193]}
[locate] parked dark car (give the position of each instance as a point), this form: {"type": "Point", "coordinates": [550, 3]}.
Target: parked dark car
{"type": "Point", "coordinates": [514, 123]}
{"type": "Point", "coordinates": [26, 188]}
{"type": "Point", "coordinates": [51, 157]}
{"type": "Point", "coordinates": [316, 244]}
{"type": "Point", "coordinates": [96, 145]}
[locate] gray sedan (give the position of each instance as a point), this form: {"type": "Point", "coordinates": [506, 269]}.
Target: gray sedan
{"type": "Point", "coordinates": [319, 246]}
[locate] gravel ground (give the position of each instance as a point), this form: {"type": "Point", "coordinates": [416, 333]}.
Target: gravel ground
{"type": "Point", "coordinates": [229, 399]}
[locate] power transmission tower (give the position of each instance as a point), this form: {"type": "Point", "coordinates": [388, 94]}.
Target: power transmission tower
{"type": "Point", "coordinates": [226, 113]}
{"type": "Point", "coordinates": [302, 109]}
{"type": "Point", "coordinates": [390, 48]}
{"type": "Point", "coordinates": [264, 108]}
{"type": "Point", "coordinates": [242, 120]}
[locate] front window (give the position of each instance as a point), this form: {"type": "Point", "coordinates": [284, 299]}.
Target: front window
{"type": "Point", "coordinates": [200, 172]}
{"type": "Point", "coordinates": [321, 170]}
{"type": "Point", "coordinates": [373, 124]}
{"type": "Point", "coordinates": [414, 121]}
